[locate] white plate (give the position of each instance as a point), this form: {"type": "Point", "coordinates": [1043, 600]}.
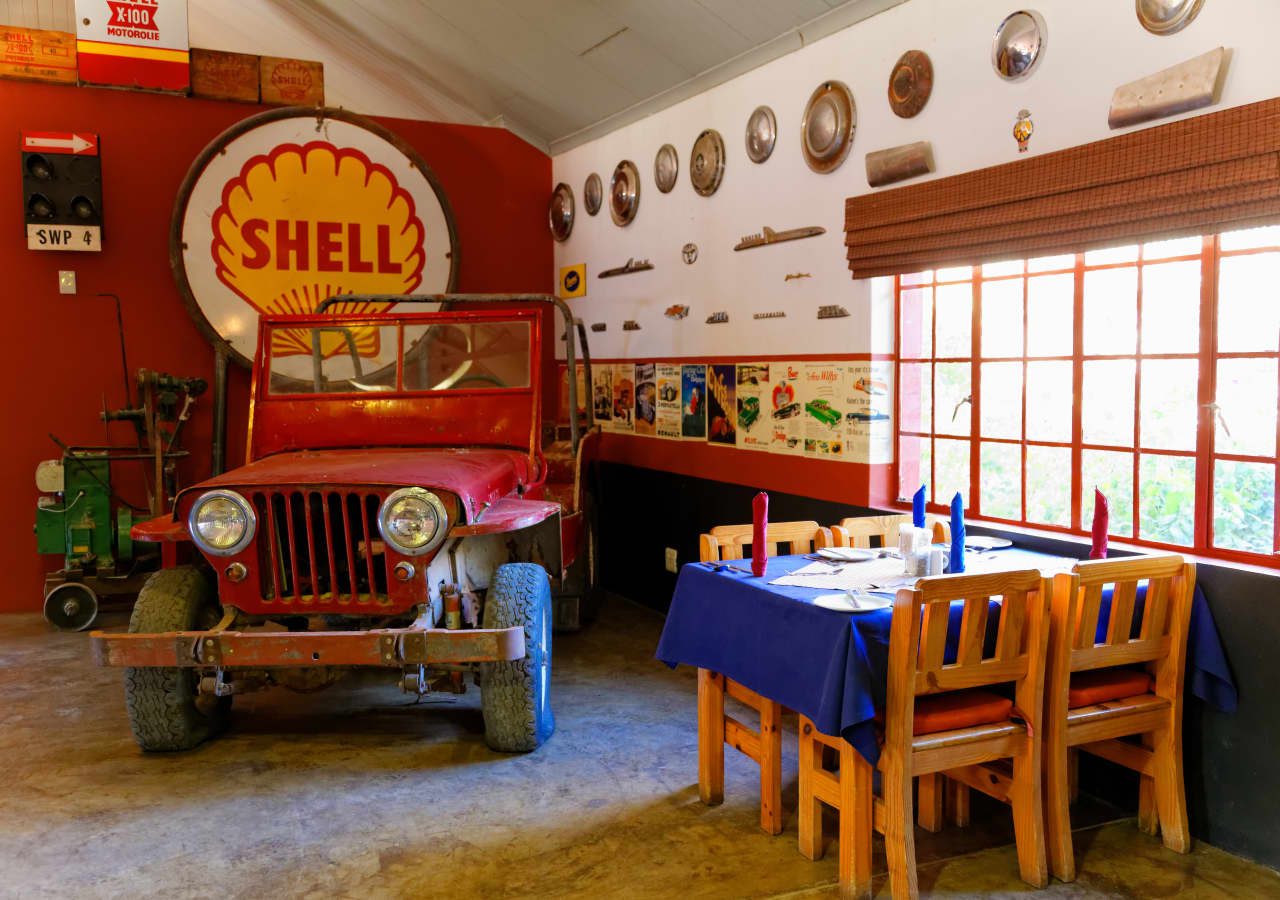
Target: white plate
{"type": "Point", "coordinates": [847, 603]}
{"type": "Point", "coordinates": [848, 554]}
{"type": "Point", "coordinates": [982, 542]}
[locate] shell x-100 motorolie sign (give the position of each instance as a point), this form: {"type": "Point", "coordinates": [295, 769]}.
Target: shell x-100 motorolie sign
{"type": "Point", "coordinates": [285, 210]}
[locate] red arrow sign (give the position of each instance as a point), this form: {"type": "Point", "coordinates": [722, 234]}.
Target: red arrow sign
{"type": "Point", "coordinates": [60, 142]}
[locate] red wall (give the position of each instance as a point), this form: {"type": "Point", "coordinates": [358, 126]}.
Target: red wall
{"type": "Point", "coordinates": [63, 350]}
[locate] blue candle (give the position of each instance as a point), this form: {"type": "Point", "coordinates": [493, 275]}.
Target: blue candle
{"type": "Point", "coordinates": [917, 508]}
{"type": "Point", "coordinates": [957, 533]}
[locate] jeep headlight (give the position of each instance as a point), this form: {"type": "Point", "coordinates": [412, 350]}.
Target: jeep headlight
{"type": "Point", "coordinates": [222, 523]}
{"type": "Point", "coordinates": [413, 521]}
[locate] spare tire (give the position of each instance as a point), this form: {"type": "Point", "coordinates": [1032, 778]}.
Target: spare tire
{"type": "Point", "coordinates": [515, 696]}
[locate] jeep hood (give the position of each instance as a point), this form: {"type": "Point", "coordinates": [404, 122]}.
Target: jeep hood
{"type": "Point", "coordinates": [478, 477]}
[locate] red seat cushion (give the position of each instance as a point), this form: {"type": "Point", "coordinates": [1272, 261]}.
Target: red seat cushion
{"type": "Point", "coordinates": [959, 709]}
{"type": "Point", "coordinates": [1101, 685]}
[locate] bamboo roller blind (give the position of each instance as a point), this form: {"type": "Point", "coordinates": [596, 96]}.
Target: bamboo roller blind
{"type": "Point", "coordinates": [1189, 177]}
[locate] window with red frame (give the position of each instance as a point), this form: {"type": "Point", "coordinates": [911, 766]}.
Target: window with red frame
{"type": "Point", "coordinates": [1149, 372]}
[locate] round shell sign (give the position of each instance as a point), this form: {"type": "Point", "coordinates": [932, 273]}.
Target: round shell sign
{"type": "Point", "coordinates": [287, 209]}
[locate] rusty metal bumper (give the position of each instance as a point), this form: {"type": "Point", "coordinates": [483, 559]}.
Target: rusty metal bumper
{"type": "Point", "coordinates": [391, 648]}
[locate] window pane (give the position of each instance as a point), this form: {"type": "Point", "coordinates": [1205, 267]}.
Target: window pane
{"type": "Point", "coordinates": [1251, 238]}
{"type": "Point", "coordinates": [1049, 403]}
{"type": "Point", "coordinates": [1049, 485]}
{"type": "Point", "coordinates": [1243, 505]}
{"type": "Point", "coordinates": [1169, 403]}
{"type": "Point", "coordinates": [913, 464]}
{"type": "Point", "coordinates": [1111, 255]}
{"type": "Point", "coordinates": [1051, 263]}
{"type": "Point", "coordinates": [1112, 473]}
{"type": "Point", "coordinates": [916, 323]}
{"type": "Point", "coordinates": [1000, 481]}
{"type": "Point", "coordinates": [915, 397]}
{"type": "Point", "coordinates": [1248, 307]}
{"type": "Point", "coordinates": [955, 321]}
{"type": "Point", "coordinates": [1051, 315]}
{"type": "Point", "coordinates": [1167, 494]}
{"type": "Point", "coordinates": [996, 269]}
{"type": "Point", "coordinates": [1002, 318]}
{"type": "Point", "coordinates": [1107, 404]}
{"type": "Point", "coordinates": [952, 471]}
{"type": "Point", "coordinates": [952, 389]}
{"type": "Point", "coordinates": [1171, 307]}
{"type": "Point", "coordinates": [1110, 311]}
{"type": "Point", "coordinates": [1246, 419]}
{"type": "Point", "coordinates": [1187, 246]}
{"type": "Point", "coordinates": [955, 273]}
{"type": "Point", "coordinates": [1002, 400]}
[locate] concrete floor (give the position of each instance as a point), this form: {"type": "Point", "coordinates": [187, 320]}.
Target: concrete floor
{"type": "Point", "coordinates": [358, 792]}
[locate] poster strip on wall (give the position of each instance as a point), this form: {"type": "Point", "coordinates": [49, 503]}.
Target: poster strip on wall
{"type": "Point", "coordinates": [646, 399]}
{"type": "Point", "coordinates": [693, 402]}
{"type": "Point", "coordinates": [722, 407]}
{"type": "Point", "coordinates": [667, 423]}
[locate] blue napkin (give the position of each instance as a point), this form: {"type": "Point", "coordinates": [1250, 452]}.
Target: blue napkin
{"type": "Point", "coordinates": [957, 534]}
{"type": "Point", "coordinates": [917, 508]}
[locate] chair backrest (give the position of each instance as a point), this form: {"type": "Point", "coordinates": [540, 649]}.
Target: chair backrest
{"type": "Point", "coordinates": [728, 541]}
{"type": "Point", "coordinates": [857, 531]}
{"type": "Point", "coordinates": [922, 618]}
{"type": "Point", "coordinates": [1150, 629]}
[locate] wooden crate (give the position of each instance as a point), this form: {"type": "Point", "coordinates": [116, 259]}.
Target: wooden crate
{"type": "Point", "coordinates": [219, 75]}
{"type": "Point", "coordinates": [34, 55]}
{"type": "Point", "coordinates": [292, 82]}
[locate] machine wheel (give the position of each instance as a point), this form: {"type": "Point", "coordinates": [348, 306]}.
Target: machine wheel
{"type": "Point", "coordinates": [515, 696]}
{"type": "Point", "coordinates": [166, 710]}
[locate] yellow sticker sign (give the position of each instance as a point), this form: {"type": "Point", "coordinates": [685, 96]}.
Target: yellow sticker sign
{"type": "Point", "coordinates": [573, 281]}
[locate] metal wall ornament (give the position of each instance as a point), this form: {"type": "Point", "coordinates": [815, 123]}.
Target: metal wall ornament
{"type": "Point", "coordinates": [1164, 17]}
{"type": "Point", "coordinates": [624, 193]}
{"type": "Point", "coordinates": [1189, 85]}
{"type": "Point", "coordinates": [826, 132]}
{"type": "Point", "coordinates": [706, 162]}
{"type": "Point", "coordinates": [762, 134]}
{"type": "Point", "coordinates": [560, 212]}
{"type": "Point", "coordinates": [592, 194]}
{"type": "Point", "coordinates": [910, 83]}
{"type": "Point", "coordinates": [1019, 44]}
{"type": "Point", "coordinates": [666, 166]}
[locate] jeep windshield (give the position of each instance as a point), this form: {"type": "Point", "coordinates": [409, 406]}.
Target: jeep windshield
{"type": "Point", "coordinates": [371, 356]}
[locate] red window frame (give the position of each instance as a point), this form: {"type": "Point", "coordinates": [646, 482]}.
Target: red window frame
{"type": "Point", "coordinates": [1207, 356]}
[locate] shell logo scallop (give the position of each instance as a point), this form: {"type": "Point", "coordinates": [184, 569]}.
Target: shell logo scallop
{"type": "Point", "coordinates": [276, 223]}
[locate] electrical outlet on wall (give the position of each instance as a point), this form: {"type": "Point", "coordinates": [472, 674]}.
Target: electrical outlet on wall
{"type": "Point", "coordinates": [671, 560]}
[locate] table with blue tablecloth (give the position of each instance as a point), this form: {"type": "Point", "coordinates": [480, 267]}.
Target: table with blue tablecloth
{"type": "Point", "coordinates": [832, 666]}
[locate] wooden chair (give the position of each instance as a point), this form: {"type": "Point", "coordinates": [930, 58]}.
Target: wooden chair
{"type": "Point", "coordinates": [857, 531]}
{"type": "Point", "coordinates": [1091, 702]}
{"type": "Point", "coordinates": [715, 728]}
{"type": "Point", "coordinates": [936, 721]}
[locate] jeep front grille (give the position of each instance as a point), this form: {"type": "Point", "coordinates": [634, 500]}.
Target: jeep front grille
{"type": "Point", "coordinates": [320, 547]}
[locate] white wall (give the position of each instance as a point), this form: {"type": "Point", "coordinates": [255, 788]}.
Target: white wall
{"type": "Point", "coordinates": [1093, 46]}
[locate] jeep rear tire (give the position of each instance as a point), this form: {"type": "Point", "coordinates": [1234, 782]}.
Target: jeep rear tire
{"type": "Point", "coordinates": [166, 710]}
{"type": "Point", "coordinates": [515, 696]}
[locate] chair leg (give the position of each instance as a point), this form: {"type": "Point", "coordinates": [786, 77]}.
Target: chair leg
{"type": "Point", "coordinates": [1028, 815]}
{"type": "Point", "coordinates": [855, 823]}
{"type": "Point", "coordinates": [899, 829]}
{"type": "Point", "coordinates": [810, 817]}
{"type": "Point", "coordinates": [1170, 791]}
{"type": "Point", "coordinates": [771, 767]}
{"type": "Point", "coordinates": [1057, 806]}
{"type": "Point", "coordinates": [957, 803]}
{"type": "Point", "coordinates": [710, 737]}
{"type": "Point", "coordinates": [929, 801]}
{"type": "Point", "coordinates": [1148, 816]}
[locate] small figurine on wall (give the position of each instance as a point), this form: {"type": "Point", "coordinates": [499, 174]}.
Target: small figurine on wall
{"type": "Point", "coordinates": [1023, 129]}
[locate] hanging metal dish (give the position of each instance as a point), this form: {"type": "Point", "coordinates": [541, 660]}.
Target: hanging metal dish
{"type": "Point", "coordinates": [666, 166]}
{"type": "Point", "coordinates": [762, 134]}
{"type": "Point", "coordinates": [706, 162]}
{"type": "Point", "coordinates": [1018, 44]}
{"type": "Point", "coordinates": [1166, 16]}
{"type": "Point", "coordinates": [624, 193]}
{"type": "Point", "coordinates": [592, 194]}
{"type": "Point", "coordinates": [826, 133]}
{"type": "Point", "coordinates": [560, 212]}
{"type": "Point", "coordinates": [910, 83]}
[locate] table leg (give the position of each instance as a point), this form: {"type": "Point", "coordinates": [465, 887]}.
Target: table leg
{"type": "Point", "coordinates": [710, 737]}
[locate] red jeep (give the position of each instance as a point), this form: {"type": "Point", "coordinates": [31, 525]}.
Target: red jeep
{"type": "Point", "coordinates": [399, 509]}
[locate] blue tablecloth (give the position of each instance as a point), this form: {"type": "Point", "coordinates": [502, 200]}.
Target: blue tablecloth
{"type": "Point", "coordinates": [832, 665]}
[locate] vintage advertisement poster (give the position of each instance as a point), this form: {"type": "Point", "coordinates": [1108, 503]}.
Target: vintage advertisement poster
{"type": "Point", "coordinates": [822, 397]}
{"type": "Point", "coordinates": [753, 416]}
{"type": "Point", "coordinates": [624, 396]}
{"type": "Point", "coordinates": [693, 402]}
{"type": "Point", "coordinates": [646, 398]}
{"type": "Point", "coordinates": [602, 396]}
{"type": "Point", "coordinates": [722, 410]}
{"type": "Point", "coordinates": [783, 408]}
{"type": "Point", "coordinates": [869, 416]}
{"type": "Point", "coordinates": [667, 405]}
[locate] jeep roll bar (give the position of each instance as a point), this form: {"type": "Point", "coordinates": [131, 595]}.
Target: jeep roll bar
{"type": "Point", "coordinates": [571, 327]}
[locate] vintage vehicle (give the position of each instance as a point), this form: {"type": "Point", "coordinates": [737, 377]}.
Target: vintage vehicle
{"type": "Point", "coordinates": [400, 508]}
{"type": "Point", "coordinates": [821, 410]}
